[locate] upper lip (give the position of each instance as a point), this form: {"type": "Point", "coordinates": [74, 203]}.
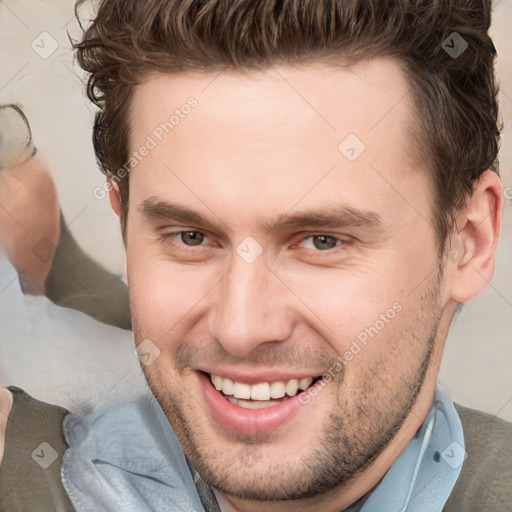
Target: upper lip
{"type": "Point", "coordinates": [256, 376]}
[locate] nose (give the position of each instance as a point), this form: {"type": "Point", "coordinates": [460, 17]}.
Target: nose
{"type": "Point", "coordinates": [252, 307]}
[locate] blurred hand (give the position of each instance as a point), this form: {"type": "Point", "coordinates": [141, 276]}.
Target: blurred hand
{"type": "Point", "coordinates": [29, 221]}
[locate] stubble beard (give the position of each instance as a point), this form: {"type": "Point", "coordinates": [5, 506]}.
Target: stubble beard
{"type": "Point", "coordinates": [351, 436]}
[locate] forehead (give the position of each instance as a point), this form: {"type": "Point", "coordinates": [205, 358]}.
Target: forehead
{"type": "Point", "coordinates": [278, 132]}
{"type": "Point", "coordinates": [327, 99]}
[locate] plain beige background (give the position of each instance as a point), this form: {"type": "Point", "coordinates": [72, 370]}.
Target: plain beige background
{"type": "Point", "coordinates": [477, 366]}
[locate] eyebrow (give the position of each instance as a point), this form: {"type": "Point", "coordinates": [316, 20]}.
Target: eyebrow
{"type": "Point", "coordinates": [327, 217]}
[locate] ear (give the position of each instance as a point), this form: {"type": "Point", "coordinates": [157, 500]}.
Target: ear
{"type": "Point", "coordinates": [478, 230]}
{"type": "Point", "coordinates": [114, 195]}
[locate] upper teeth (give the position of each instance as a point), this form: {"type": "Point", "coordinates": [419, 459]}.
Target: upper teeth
{"type": "Point", "coordinates": [261, 391]}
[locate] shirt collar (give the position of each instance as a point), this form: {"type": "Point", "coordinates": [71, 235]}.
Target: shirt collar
{"type": "Point", "coordinates": [423, 476]}
{"type": "Point", "coordinates": [103, 470]}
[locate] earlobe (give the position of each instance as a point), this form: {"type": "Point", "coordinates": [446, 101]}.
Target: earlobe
{"type": "Point", "coordinates": [114, 195]}
{"type": "Point", "coordinates": [478, 230]}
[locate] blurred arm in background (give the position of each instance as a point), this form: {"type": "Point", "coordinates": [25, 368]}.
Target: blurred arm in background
{"type": "Point", "coordinates": [36, 239]}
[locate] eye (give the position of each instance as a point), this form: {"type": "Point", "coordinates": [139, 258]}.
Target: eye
{"type": "Point", "coordinates": [191, 237]}
{"type": "Point", "coordinates": [321, 242]}
{"type": "Point", "coordinates": [188, 238]}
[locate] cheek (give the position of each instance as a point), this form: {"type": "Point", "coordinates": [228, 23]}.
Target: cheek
{"type": "Point", "coordinates": [345, 304]}
{"type": "Point", "coordinates": [164, 299]}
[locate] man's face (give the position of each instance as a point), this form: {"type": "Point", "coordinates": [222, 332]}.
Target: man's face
{"type": "Point", "coordinates": [264, 252]}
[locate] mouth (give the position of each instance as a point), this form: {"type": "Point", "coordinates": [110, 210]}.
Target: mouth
{"type": "Point", "coordinates": [260, 395]}
{"type": "Point", "coordinates": [253, 408]}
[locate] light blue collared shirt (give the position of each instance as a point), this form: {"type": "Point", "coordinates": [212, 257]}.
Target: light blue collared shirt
{"type": "Point", "coordinates": [127, 458]}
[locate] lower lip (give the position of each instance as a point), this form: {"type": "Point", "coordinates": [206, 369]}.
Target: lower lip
{"type": "Point", "coordinates": [247, 421]}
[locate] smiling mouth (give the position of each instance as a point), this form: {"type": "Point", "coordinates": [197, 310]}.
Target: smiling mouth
{"type": "Point", "coordinates": [261, 395]}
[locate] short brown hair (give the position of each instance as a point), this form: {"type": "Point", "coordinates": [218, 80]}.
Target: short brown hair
{"type": "Point", "coordinates": [458, 134]}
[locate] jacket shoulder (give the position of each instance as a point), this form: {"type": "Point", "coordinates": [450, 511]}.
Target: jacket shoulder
{"type": "Point", "coordinates": [486, 475]}
{"type": "Point", "coordinates": [34, 447]}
